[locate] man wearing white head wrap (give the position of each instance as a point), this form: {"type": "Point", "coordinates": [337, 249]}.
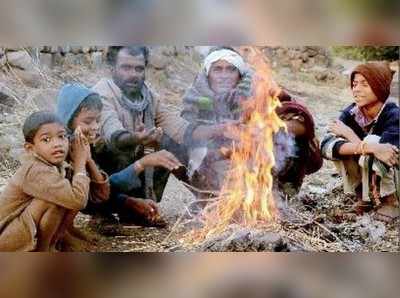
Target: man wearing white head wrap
{"type": "Point", "coordinates": [213, 101]}
{"type": "Point", "coordinates": [227, 55]}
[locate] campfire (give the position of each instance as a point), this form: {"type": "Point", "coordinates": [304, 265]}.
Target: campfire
{"type": "Point", "coordinates": [247, 198]}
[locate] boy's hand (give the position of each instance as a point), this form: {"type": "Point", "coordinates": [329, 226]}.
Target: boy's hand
{"type": "Point", "coordinates": [146, 209]}
{"type": "Point", "coordinates": [341, 130]}
{"type": "Point", "coordinates": [386, 153]}
{"type": "Point", "coordinates": [80, 150]}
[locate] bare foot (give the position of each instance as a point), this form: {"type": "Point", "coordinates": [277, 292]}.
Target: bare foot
{"type": "Point", "coordinates": [71, 243]}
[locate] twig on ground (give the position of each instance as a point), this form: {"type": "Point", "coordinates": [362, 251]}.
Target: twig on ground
{"type": "Point", "coordinates": [200, 191]}
{"type": "Point", "coordinates": [322, 227]}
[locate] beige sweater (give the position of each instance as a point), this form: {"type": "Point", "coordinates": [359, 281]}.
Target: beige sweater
{"type": "Point", "coordinates": [115, 117]}
{"type": "Point", "coordinates": [36, 179]}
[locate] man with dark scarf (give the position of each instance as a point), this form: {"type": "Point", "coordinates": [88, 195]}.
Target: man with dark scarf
{"type": "Point", "coordinates": [128, 125]}
{"type": "Point", "coordinates": [135, 123]}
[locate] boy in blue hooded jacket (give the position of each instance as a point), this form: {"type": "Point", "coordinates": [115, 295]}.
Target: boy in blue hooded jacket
{"type": "Point", "coordinates": [80, 109]}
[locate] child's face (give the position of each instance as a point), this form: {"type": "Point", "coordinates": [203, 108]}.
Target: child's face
{"type": "Point", "coordinates": [50, 143]}
{"type": "Point", "coordinates": [88, 121]}
{"type": "Point", "coordinates": [362, 92]}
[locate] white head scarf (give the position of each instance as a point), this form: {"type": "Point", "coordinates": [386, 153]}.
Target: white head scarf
{"type": "Point", "coordinates": [229, 56]}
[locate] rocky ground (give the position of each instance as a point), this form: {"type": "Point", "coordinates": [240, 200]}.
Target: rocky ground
{"type": "Point", "coordinates": [318, 218]}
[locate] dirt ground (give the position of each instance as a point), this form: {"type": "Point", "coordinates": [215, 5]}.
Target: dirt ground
{"type": "Point", "coordinates": [320, 202]}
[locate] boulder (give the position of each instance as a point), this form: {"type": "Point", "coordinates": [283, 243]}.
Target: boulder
{"type": "Point", "coordinates": [20, 59]}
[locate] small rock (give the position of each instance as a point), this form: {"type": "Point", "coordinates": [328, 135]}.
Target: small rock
{"type": "Point", "coordinates": [371, 229]}
{"type": "Point", "coordinates": [312, 51]}
{"type": "Point", "coordinates": [296, 64]}
{"type": "Point", "coordinates": [58, 59]}
{"type": "Point", "coordinates": [20, 59]}
{"type": "Point", "coordinates": [322, 76]}
{"type": "Point", "coordinates": [64, 49]}
{"type": "Point", "coordinates": [97, 59]}
{"type": "Point", "coordinates": [45, 49]}
{"type": "Point", "coordinates": [85, 50]}
{"type": "Point", "coordinates": [304, 57]}
{"type": "Point", "coordinates": [281, 52]}
{"type": "Point", "coordinates": [47, 60]}
{"type": "Point", "coordinates": [54, 49]}
{"type": "Point", "coordinates": [76, 49]}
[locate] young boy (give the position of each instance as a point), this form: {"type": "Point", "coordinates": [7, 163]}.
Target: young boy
{"type": "Point", "coordinates": [78, 106]}
{"type": "Point", "coordinates": [364, 143]}
{"type": "Point", "coordinates": [39, 198]}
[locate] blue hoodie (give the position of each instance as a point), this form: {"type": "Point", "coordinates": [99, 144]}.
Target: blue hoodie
{"type": "Point", "coordinates": [68, 101]}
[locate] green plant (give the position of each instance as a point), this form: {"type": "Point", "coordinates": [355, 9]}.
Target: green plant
{"type": "Point", "coordinates": [390, 53]}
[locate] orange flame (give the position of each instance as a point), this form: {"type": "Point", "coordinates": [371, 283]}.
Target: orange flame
{"type": "Point", "coordinates": [246, 197]}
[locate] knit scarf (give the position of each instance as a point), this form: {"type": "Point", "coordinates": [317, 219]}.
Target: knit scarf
{"type": "Point", "coordinates": [143, 109]}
